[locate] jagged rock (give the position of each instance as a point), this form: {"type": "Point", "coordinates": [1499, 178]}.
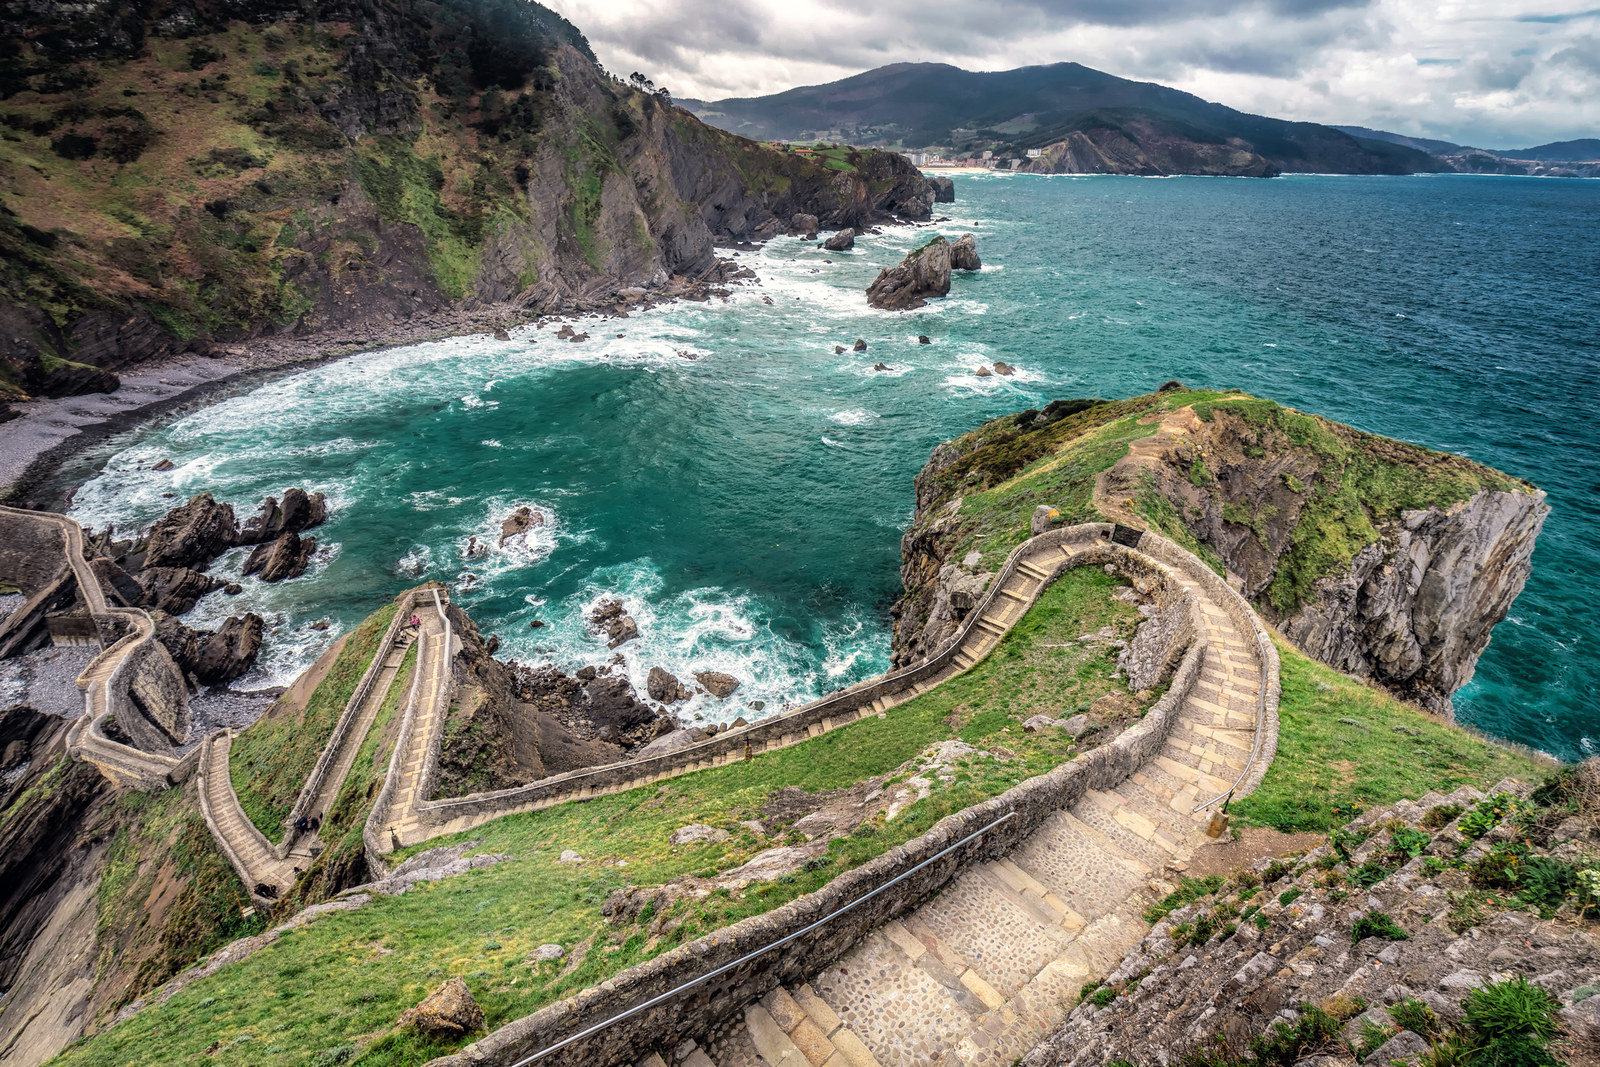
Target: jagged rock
{"type": "Point", "coordinates": [174, 590]}
{"type": "Point", "coordinates": [964, 254]}
{"type": "Point", "coordinates": [233, 589]}
{"type": "Point", "coordinates": [113, 579]}
{"type": "Point", "coordinates": [520, 522]}
{"type": "Point", "coordinates": [165, 465]}
{"type": "Point", "coordinates": [696, 834]}
{"type": "Point", "coordinates": [297, 512]}
{"type": "Point", "coordinates": [805, 226]}
{"type": "Point", "coordinates": [611, 618]}
{"type": "Point", "coordinates": [924, 274]}
{"type": "Point", "coordinates": [984, 372]}
{"type": "Point", "coordinates": [881, 366]}
{"type": "Point", "coordinates": [860, 345]}
{"type": "Point", "coordinates": [1005, 369]}
{"type": "Point", "coordinates": [192, 535]}
{"type": "Point", "coordinates": [944, 190]}
{"type": "Point", "coordinates": [842, 241]}
{"type": "Point", "coordinates": [1044, 518]}
{"type": "Point", "coordinates": [838, 350]}
{"type": "Point", "coordinates": [286, 557]}
{"type": "Point", "coordinates": [663, 685]}
{"type": "Point", "coordinates": [213, 658]}
{"type": "Point", "coordinates": [670, 742]}
{"type": "Point", "coordinates": [717, 684]}
{"type": "Point", "coordinates": [501, 335]}
{"type": "Point", "coordinates": [448, 1011]}
{"type": "Point", "coordinates": [924, 339]}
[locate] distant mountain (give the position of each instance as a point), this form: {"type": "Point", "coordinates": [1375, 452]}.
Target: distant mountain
{"type": "Point", "coordinates": [1423, 144]}
{"type": "Point", "coordinates": [1108, 122]}
{"type": "Point", "coordinates": [1586, 150]}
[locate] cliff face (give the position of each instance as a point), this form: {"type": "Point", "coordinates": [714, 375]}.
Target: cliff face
{"type": "Point", "coordinates": [173, 176]}
{"type": "Point", "coordinates": [1381, 559]}
{"type": "Point", "coordinates": [1141, 146]}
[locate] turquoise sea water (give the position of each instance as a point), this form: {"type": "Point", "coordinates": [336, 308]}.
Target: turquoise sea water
{"type": "Point", "coordinates": [747, 504]}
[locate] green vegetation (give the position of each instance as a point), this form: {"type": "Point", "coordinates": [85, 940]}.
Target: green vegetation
{"type": "Point", "coordinates": [1361, 480]}
{"type": "Point", "coordinates": [163, 851]}
{"type": "Point", "coordinates": [362, 968]}
{"type": "Point", "coordinates": [1343, 746]}
{"type": "Point", "coordinates": [271, 760]}
{"type": "Point", "coordinates": [1377, 924]}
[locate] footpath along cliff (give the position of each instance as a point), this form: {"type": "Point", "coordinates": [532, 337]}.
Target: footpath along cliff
{"type": "Point", "coordinates": [1379, 558]}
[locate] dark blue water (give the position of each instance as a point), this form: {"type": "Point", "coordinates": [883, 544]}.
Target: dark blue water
{"type": "Point", "coordinates": [747, 504]}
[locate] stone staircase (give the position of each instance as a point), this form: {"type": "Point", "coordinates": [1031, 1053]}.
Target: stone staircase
{"type": "Point", "coordinates": [246, 847]}
{"type": "Point", "coordinates": [994, 964]}
{"type": "Point", "coordinates": [432, 703]}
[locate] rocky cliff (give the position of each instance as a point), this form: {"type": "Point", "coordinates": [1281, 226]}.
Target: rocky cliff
{"type": "Point", "coordinates": [1382, 559]}
{"type": "Point", "coordinates": [177, 176]}
{"type": "Point", "coordinates": [1144, 145]}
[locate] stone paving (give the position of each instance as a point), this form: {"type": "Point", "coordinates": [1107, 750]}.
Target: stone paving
{"type": "Point", "coordinates": [991, 966]}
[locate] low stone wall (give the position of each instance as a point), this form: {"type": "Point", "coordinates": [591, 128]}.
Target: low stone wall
{"type": "Point", "coordinates": [1246, 619]}
{"type": "Point", "coordinates": [778, 731]}
{"type": "Point", "coordinates": [695, 1012]}
{"type": "Point", "coordinates": [406, 604]}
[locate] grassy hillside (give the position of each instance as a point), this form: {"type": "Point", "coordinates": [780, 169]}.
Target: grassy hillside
{"type": "Point", "coordinates": [331, 992]}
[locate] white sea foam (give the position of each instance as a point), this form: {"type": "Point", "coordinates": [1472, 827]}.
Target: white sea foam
{"type": "Point", "coordinates": [853, 417]}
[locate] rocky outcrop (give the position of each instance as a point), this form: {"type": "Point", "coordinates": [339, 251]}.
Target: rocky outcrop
{"type": "Point", "coordinates": [286, 557]}
{"type": "Point", "coordinates": [1365, 949]}
{"type": "Point", "coordinates": [663, 686]}
{"type": "Point", "coordinates": [804, 225]}
{"type": "Point", "coordinates": [297, 512]}
{"type": "Point", "coordinates": [1144, 145]}
{"type": "Point", "coordinates": [944, 190]}
{"type": "Point", "coordinates": [611, 618]}
{"type": "Point", "coordinates": [923, 275]}
{"type": "Point", "coordinates": [842, 241]}
{"type": "Point", "coordinates": [192, 535]}
{"type": "Point", "coordinates": [722, 686]}
{"type": "Point", "coordinates": [519, 522]}
{"type": "Point", "coordinates": [213, 658]}
{"type": "Point", "coordinates": [448, 1011]}
{"type": "Point", "coordinates": [174, 590]}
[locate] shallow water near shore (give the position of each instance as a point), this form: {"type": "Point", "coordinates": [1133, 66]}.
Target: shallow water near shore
{"type": "Point", "coordinates": [747, 503]}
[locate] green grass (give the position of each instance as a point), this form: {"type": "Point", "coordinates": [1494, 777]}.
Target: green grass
{"type": "Point", "coordinates": [271, 760]}
{"type": "Point", "coordinates": [1345, 745]}
{"type": "Point", "coordinates": [351, 974]}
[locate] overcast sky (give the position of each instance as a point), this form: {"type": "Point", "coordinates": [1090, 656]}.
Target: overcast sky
{"type": "Point", "coordinates": [1492, 73]}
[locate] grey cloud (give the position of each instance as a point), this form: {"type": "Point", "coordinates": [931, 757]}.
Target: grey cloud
{"type": "Point", "coordinates": [1584, 55]}
{"type": "Point", "coordinates": [1509, 74]}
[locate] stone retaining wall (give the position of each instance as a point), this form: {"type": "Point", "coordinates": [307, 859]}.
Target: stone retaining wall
{"type": "Point", "coordinates": [694, 1013]}
{"type": "Point", "coordinates": [778, 731]}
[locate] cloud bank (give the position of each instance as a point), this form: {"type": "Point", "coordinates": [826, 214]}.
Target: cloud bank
{"type": "Point", "coordinates": [1492, 73]}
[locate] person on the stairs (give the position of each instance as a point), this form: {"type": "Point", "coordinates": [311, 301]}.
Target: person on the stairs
{"type": "Point", "coordinates": [302, 825]}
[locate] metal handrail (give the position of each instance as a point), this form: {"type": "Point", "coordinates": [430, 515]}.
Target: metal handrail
{"type": "Point", "coordinates": [760, 951]}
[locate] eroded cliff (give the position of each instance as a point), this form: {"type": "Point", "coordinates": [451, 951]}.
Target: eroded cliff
{"type": "Point", "coordinates": [1380, 558]}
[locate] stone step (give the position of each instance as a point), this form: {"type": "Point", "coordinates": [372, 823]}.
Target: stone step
{"type": "Point", "coordinates": [1129, 816]}
{"type": "Point", "coordinates": [1003, 940]}
{"type": "Point", "coordinates": [1032, 571]}
{"type": "Point", "coordinates": [902, 1009]}
{"type": "Point", "coordinates": [1097, 818]}
{"type": "Point", "coordinates": [1087, 872]}
{"type": "Point", "coordinates": [1022, 598]}
{"type": "Point", "coordinates": [1179, 825]}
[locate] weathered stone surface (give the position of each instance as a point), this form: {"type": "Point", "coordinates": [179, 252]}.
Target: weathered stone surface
{"type": "Point", "coordinates": [213, 658]}
{"type": "Point", "coordinates": [519, 522]}
{"type": "Point", "coordinates": [448, 1011]}
{"type": "Point", "coordinates": [174, 590]}
{"type": "Point", "coordinates": [717, 684]}
{"type": "Point", "coordinates": [984, 372]}
{"type": "Point", "coordinates": [286, 557]}
{"type": "Point", "coordinates": [944, 190]}
{"type": "Point", "coordinates": [923, 275]}
{"type": "Point", "coordinates": [964, 254]}
{"type": "Point", "coordinates": [569, 856]}
{"type": "Point", "coordinates": [192, 535]}
{"type": "Point", "coordinates": [15, 755]}
{"type": "Point", "coordinates": [297, 512]}
{"type": "Point", "coordinates": [1005, 370]}
{"type": "Point", "coordinates": [670, 742]}
{"type": "Point", "coordinates": [548, 953]}
{"type": "Point", "coordinates": [842, 241]}
{"type": "Point", "coordinates": [697, 834]}
{"type": "Point", "coordinates": [611, 618]}
{"type": "Point", "coordinates": [805, 226]}
{"type": "Point", "coordinates": [664, 686]}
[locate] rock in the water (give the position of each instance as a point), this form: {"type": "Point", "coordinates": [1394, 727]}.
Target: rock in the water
{"type": "Point", "coordinates": [192, 535]}
{"type": "Point", "coordinates": [805, 226]}
{"type": "Point", "coordinates": [924, 339]}
{"type": "Point", "coordinates": [838, 350]}
{"type": "Point", "coordinates": [297, 512]}
{"type": "Point", "coordinates": [165, 465]}
{"type": "Point", "coordinates": [174, 590]}
{"type": "Point", "coordinates": [842, 241]}
{"type": "Point", "coordinates": [213, 658]}
{"type": "Point", "coordinates": [1004, 368]}
{"type": "Point", "coordinates": [964, 254]}
{"type": "Point", "coordinates": [233, 589]}
{"type": "Point", "coordinates": [286, 557]}
{"type": "Point", "coordinates": [984, 372]}
{"type": "Point", "coordinates": [881, 366]}
{"type": "Point", "coordinates": [717, 684]}
{"type": "Point", "coordinates": [697, 833]}
{"type": "Point", "coordinates": [520, 522]}
{"type": "Point", "coordinates": [501, 335]}
{"type": "Point", "coordinates": [944, 190]}
{"type": "Point", "coordinates": [921, 276]}
{"type": "Point", "coordinates": [611, 618]}
{"type": "Point", "coordinates": [448, 1011]}
{"type": "Point", "coordinates": [664, 686]}
{"type": "Point", "coordinates": [860, 345]}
